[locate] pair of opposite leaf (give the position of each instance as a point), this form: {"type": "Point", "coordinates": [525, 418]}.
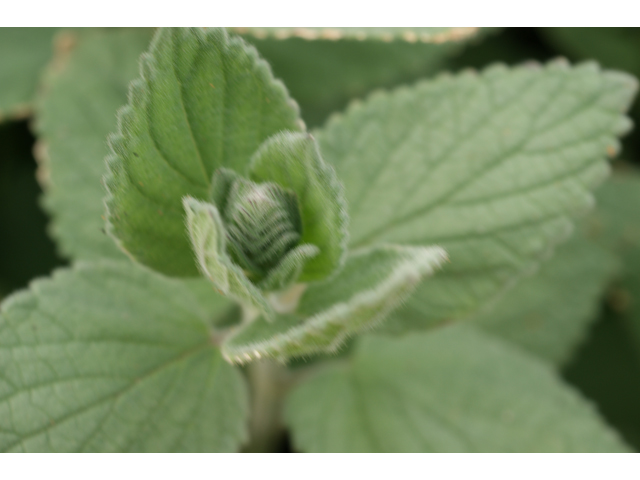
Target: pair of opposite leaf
{"type": "Point", "coordinates": [285, 222]}
{"type": "Point", "coordinates": [266, 219]}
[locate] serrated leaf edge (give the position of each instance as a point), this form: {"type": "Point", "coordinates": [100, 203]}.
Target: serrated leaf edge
{"type": "Point", "coordinates": [382, 94]}
{"type": "Point", "coordinates": [115, 162]}
{"type": "Point", "coordinates": [419, 262]}
{"type": "Point", "coordinates": [455, 34]}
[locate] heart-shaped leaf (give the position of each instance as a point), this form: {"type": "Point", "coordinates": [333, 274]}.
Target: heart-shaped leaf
{"type": "Point", "coordinates": [204, 100]}
{"type": "Point", "coordinates": [112, 357]}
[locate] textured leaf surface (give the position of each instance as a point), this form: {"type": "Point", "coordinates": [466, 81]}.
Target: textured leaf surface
{"type": "Point", "coordinates": [293, 161]}
{"type": "Point", "coordinates": [451, 390]}
{"type": "Point", "coordinates": [489, 166]}
{"type": "Point", "coordinates": [114, 358]}
{"type": "Point", "coordinates": [371, 284]}
{"type": "Point", "coordinates": [549, 314]}
{"type": "Point", "coordinates": [76, 111]}
{"type": "Point", "coordinates": [208, 240]}
{"type": "Point", "coordinates": [289, 269]}
{"type": "Point", "coordinates": [204, 101]}
{"type": "Point", "coordinates": [24, 53]}
{"type": "Point", "coordinates": [324, 76]}
{"type": "Point", "coordinates": [409, 34]}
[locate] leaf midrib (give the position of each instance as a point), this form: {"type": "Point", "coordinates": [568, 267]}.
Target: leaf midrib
{"type": "Point", "coordinates": [493, 165]}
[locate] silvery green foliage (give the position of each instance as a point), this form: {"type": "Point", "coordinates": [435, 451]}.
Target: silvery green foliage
{"type": "Point", "coordinates": [23, 52]}
{"type": "Point", "coordinates": [287, 223]}
{"type": "Point", "coordinates": [413, 207]}
{"type": "Point", "coordinates": [372, 283]}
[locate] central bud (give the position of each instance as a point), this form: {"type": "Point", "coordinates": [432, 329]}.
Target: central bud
{"type": "Point", "coordinates": [262, 223]}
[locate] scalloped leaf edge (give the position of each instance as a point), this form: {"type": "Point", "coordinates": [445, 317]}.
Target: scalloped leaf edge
{"type": "Point", "coordinates": [314, 334]}
{"type": "Point", "coordinates": [453, 34]}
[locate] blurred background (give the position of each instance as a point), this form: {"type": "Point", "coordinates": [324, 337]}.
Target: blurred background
{"type": "Point", "coordinates": [324, 77]}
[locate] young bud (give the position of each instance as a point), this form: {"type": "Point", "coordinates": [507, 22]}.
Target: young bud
{"type": "Point", "coordinates": [262, 223]}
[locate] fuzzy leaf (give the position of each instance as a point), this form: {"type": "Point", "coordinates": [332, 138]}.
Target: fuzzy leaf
{"type": "Point", "coordinates": [208, 240]}
{"type": "Point", "coordinates": [324, 76]}
{"type": "Point", "coordinates": [450, 390]}
{"type": "Point", "coordinates": [292, 160]}
{"type": "Point", "coordinates": [111, 357]}
{"type": "Point", "coordinates": [371, 284]}
{"type": "Point", "coordinates": [490, 166]}
{"type": "Point", "coordinates": [289, 268]}
{"type": "Point", "coordinates": [387, 34]}
{"type": "Point", "coordinates": [24, 53]}
{"type": "Point", "coordinates": [549, 314]}
{"type": "Point", "coordinates": [204, 101]}
{"type": "Point", "coordinates": [75, 112]}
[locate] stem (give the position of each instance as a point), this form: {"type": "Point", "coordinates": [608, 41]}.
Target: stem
{"type": "Point", "coordinates": [269, 383]}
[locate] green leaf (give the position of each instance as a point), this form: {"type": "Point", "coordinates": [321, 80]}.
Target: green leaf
{"type": "Point", "coordinates": [490, 166]}
{"type": "Point", "coordinates": [450, 390]}
{"type": "Point", "coordinates": [289, 268]}
{"type": "Point", "coordinates": [75, 111]}
{"type": "Point", "coordinates": [287, 223]}
{"type": "Point", "coordinates": [208, 240]}
{"type": "Point", "coordinates": [292, 160]}
{"type": "Point", "coordinates": [408, 34]}
{"type": "Point", "coordinates": [324, 76]}
{"type": "Point", "coordinates": [24, 52]}
{"type": "Point", "coordinates": [549, 314]}
{"type": "Point", "coordinates": [204, 101]}
{"type": "Point", "coordinates": [111, 357]}
{"type": "Point", "coordinates": [616, 225]}
{"type": "Point", "coordinates": [372, 283]}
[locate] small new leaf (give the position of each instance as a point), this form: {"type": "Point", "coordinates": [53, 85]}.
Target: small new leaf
{"type": "Point", "coordinates": [292, 160]}
{"type": "Point", "coordinates": [372, 283]}
{"type": "Point", "coordinates": [208, 240]}
{"type": "Point", "coordinates": [289, 268]}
